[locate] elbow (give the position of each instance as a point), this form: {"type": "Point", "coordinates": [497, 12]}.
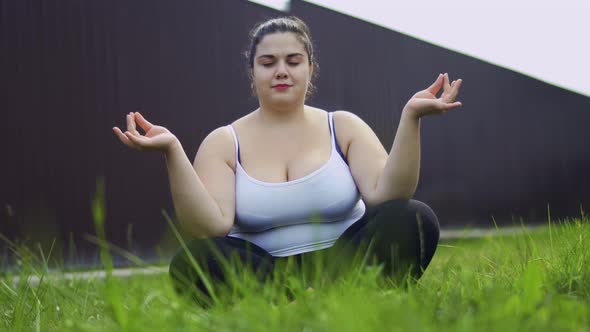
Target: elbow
{"type": "Point", "coordinates": [408, 194]}
{"type": "Point", "coordinates": [377, 198]}
{"type": "Point", "coordinates": [398, 188]}
{"type": "Point", "coordinates": [224, 227]}
{"type": "Point", "coordinates": [219, 228]}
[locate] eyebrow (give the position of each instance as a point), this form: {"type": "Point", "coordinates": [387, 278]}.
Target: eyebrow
{"type": "Point", "coordinates": [270, 56]}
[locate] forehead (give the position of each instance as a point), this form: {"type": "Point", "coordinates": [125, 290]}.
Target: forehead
{"type": "Point", "coordinates": [280, 43]}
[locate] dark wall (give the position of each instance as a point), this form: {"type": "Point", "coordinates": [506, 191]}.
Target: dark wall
{"type": "Point", "coordinates": [71, 70]}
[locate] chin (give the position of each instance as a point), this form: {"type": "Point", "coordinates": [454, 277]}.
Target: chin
{"type": "Point", "coordinates": [285, 98]}
{"type": "Point", "coordinates": [286, 101]}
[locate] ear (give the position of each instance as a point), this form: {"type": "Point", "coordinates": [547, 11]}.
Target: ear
{"type": "Point", "coordinates": [310, 70]}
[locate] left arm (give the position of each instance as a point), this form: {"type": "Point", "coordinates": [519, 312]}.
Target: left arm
{"type": "Point", "coordinates": [381, 177]}
{"type": "Point", "coordinates": [399, 177]}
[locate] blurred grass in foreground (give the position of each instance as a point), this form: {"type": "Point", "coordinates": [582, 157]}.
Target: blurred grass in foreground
{"type": "Point", "coordinates": [531, 280]}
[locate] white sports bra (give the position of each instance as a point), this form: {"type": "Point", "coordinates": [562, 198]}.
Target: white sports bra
{"type": "Point", "coordinates": [298, 216]}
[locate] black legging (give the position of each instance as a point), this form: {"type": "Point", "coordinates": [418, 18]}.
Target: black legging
{"type": "Point", "coordinates": [400, 234]}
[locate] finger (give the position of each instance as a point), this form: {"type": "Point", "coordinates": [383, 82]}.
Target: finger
{"type": "Point", "coordinates": [142, 122]}
{"type": "Point", "coordinates": [435, 87]}
{"type": "Point", "coordinates": [131, 124]}
{"type": "Point", "coordinates": [446, 85]}
{"type": "Point", "coordinates": [123, 138]}
{"type": "Point", "coordinates": [449, 106]}
{"type": "Point", "coordinates": [455, 89]}
{"type": "Point", "coordinates": [458, 84]}
{"type": "Point", "coordinates": [138, 140]}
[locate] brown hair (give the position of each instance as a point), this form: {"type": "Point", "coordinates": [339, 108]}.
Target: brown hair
{"type": "Point", "coordinates": [284, 24]}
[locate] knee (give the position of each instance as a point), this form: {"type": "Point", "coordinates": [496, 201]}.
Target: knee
{"type": "Point", "coordinates": [409, 207]}
{"type": "Point", "coordinates": [194, 249]}
{"type": "Point", "coordinates": [182, 269]}
{"type": "Point", "coordinates": [414, 219]}
{"type": "Point", "coordinates": [428, 227]}
{"type": "Point", "coordinates": [427, 219]}
{"type": "Point", "coordinates": [413, 210]}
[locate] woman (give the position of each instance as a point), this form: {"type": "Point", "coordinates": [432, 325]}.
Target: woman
{"type": "Point", "coordinates": [288, 179]}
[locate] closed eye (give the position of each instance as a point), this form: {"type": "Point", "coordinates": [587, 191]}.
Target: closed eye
{"type": "Point", "coordinates": [293, 64]}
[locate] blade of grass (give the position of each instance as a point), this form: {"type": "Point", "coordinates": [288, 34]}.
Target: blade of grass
{"type": "Point", "coordinates": [129, 256]}
{"type": "Point", "coordinates": [550, 227]}
{"type": "Point", "coordinates": [194, 263]}
{"type": "Point", "coordinates": [113, 292]}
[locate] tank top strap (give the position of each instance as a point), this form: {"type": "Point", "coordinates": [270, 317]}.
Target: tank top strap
{"type": "Point", "coordinates": [334, 140]}
{"type": "Point", "coordinates": [331, 124]}
{"type": "Point", "coordinates": [237, 144]}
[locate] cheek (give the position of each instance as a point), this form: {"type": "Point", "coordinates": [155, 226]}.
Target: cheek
{"type": "Point", "coordinates": [306, 73]}
{"type": "Point", "coordinates": [300, 76]}
{"type": "Point", "coordinates": [262, 75]}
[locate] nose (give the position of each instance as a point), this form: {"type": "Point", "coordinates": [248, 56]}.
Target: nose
{"type": "Point", "coordinates": [281, 72]}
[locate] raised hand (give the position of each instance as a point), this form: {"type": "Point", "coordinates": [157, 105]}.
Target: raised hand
{"type": "Point", "coordinates": [425, 102]}
{"type": "Point", "coordinates": [156, 138]}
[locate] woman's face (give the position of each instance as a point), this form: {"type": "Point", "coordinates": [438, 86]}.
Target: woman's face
{"type": "Point", "coordinates": [281, 71]}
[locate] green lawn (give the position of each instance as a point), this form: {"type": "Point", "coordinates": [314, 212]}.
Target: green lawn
{"type": "Point", "coordinates": [533, 280]}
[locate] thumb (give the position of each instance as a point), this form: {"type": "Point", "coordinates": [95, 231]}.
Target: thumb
{"type": "Point", "coordinates": [138, 140]}
{"type": "Point", "coordinates": [435, 87]}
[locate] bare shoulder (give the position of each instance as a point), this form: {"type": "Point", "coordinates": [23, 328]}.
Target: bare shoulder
{"type": "Point", "coordinates": [218, 144]}
{"type": "Point", "coordinates": [348, 118]}
{"type": "Point", "coordinates": [348, 126]}
{"type": "Point", "coordinates": [349, 123]}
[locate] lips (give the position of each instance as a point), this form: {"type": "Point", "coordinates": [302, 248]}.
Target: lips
{"type": "Point", "coordinates": [281, 86]}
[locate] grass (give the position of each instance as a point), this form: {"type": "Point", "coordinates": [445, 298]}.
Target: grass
{"type": "Point", "coordinates": [516, 282]}
{"type": "Point", "coordinates": [531, 280]}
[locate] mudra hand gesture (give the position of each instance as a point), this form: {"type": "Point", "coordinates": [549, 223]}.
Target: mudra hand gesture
{"type": "Point", "coordinates": [425, 102]}
{"type": "Point", "coordinates": [156, 138]}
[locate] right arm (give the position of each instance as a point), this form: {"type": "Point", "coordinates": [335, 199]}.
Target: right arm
{"type": "Point", "coordinates": [203, 193]}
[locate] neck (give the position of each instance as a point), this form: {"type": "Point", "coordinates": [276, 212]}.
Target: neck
{"type": "Point", "coordinates": [281, 116]}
